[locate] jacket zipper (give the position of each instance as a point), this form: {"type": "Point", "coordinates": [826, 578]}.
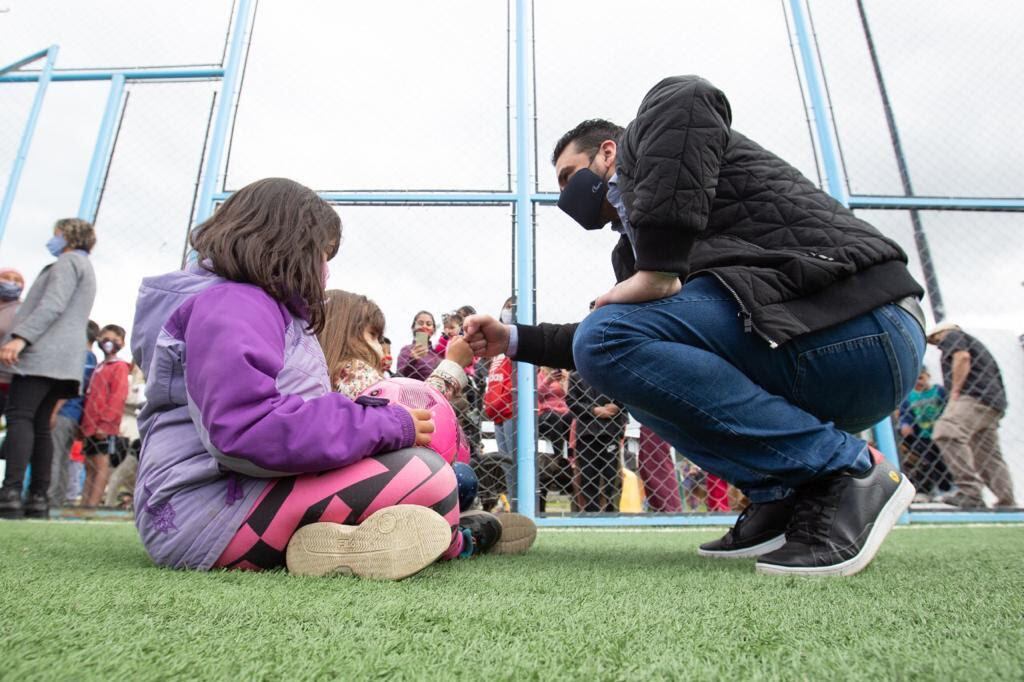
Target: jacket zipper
{"type": "Point", "coordinates": [748, 319]}
{"type": "Point", "coordinates": [796, 252]}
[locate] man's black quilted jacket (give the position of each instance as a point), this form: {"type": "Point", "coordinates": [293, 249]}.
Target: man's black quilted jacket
{"type": "Point", "coordinates": [703, 199]}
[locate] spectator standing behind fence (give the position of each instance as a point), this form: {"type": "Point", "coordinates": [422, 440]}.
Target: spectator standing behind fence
{"type": "Point", "coordinates": [104, 408]}
{"type": "Point", "coordinates": [654, 464]}
{"type": "Point", "coordinates": [11, 286]}
{"type": "Point", "coordinates": [122, 479]}
{"type": "Point", "coordinates": [967, 432]}
{"type": "Point", "coordinates": [386, 358]}
{"type": "Point", "coordinates": [43, 350]}
{"type": "Point", "coordinates": [923, 462]}
{"type": "Point", "coordinates": [600, 428]}
{"type": "Point", "coordinates": [65, 475]}
{"type": "Point", "coordinates": [553, 423]}
{"type": "Point", "coordinates": [418, 359]}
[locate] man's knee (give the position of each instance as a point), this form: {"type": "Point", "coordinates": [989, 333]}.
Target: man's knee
{"type": "Point", "coordinates": [594, 345]}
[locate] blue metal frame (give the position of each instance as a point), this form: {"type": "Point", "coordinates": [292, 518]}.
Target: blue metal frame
{"type": "Point", "coordinates": [129, 74]}
{"type": "Point", "coordinates": [225, 106]}
{"type": "Point", "coordinates": [526, 437]}
{"type": "Point", "coordinates": [835, 180]}
{"type": "Point", "coordinates": [521, 196]}
{"type": "Point", "coordinates": [30, 128]}
{"type": "Point", "coordinates": [102, 152]}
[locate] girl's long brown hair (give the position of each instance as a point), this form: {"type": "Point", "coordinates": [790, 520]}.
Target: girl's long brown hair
{"type": "Point", "coordinates": [348, 316]}
{"type": "Point", "coordinates": [273, 233]}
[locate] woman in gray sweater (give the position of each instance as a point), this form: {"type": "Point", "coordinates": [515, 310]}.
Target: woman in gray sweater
{"type": "Point", "coordinates": [43, 352]}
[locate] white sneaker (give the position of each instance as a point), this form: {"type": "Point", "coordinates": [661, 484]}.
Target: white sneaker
{"type": "Point", "coordinates": [391, 544]}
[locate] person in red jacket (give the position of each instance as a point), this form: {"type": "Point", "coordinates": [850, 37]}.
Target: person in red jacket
{"type": "Point", "coordinates": [101, 420]}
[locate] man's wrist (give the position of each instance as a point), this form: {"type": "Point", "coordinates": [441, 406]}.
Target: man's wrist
{"type": "Point", "coordinates": [513, 341]}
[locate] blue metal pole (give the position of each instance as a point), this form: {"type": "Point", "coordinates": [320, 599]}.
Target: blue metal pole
{"type": "Point", "coordinates": [26, 139]}
{"type": "Point", "coordinates": [526, 440]}
{"type": "Point", "coordinates": [101, 153]}
{"type": "Point", "coordinates": [130, 74]}
{"type": "Point", "coordinates": [225, 105]}
{"type": "Point", "coordinates": [938, 203]}
{"type": "Point", "coordinates": [834, 179]}
{"type": "Point", "coordinates": [408, 197]}
{"type": "Point", "coordinates": [25, 61]}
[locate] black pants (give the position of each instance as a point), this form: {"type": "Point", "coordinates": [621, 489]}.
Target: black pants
{"type": "Point", "coordinates": [29, 407]}
{"type": "Point", "coordinates": [552, 473]}
{"type": "Point", "coordinates": [597, 456]}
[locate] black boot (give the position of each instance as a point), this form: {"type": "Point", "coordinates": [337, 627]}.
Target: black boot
{"type": "Point", "coordinates": [37, 506]}
{"type": "Point", "coordinates": [10, 503]}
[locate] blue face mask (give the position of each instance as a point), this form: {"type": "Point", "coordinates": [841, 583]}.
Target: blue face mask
{"type": "Point", "coordinates": [56, 245]}
{"type": "Point", "coordinates": [9, 291]}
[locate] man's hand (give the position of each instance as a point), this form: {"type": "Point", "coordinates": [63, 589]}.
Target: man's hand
{"type": "Point", "coordinates": [906, 431]}
{"type": "Point", "coordinates": [644, 286]}
{"type": "Point", "coordinates": [954, 395]}
{"type": "Point", "coordinates": [486, 336]}
{"type": "Point", "coordinates": [10, 351]}
{"type": "Point", "coordinates": [424, 424]}
{"type": "Point", "coordinates": [459, 352]}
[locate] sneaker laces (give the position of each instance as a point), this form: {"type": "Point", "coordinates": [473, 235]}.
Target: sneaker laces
{"type": "Point", "coordinates": [813, 513]}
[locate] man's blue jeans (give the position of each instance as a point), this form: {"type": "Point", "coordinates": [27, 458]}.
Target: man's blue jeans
{"type": "Point", "coordinates": [766, 420]}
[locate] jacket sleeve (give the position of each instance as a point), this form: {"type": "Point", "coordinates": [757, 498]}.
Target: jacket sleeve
{"type": "Point", "coordinates": [546, 345]}
{"type": "Point", "coordinates": [906, 416]}
{"type": "Point", "coordinates": [668, 160]}
{"type": "Point", "coordinates": [232, 361]}
{"type": "Point", "coordinates": [62, 279]}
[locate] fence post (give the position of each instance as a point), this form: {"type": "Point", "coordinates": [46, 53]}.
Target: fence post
{"type": "Point", "coordinates": [526, 442]}
{"type": "Point", "coordinates": [225, 105]}
{"type": "Point", "coordinates": [101, 153]}
{"type": "Point", "coordinates": [30, 129]}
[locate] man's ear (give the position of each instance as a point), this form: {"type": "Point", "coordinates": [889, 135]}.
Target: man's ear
{"type": "Point", "coordinates": [607, 151]}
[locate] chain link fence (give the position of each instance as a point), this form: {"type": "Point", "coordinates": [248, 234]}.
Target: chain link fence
{"type": "Point", "coordinates": [405, 116]}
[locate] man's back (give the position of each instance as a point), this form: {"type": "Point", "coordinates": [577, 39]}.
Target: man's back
{"type": "Point", "coordinates": [984, 382]}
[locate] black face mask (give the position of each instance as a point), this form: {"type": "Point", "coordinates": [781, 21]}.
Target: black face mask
{"type": "Point", "coordinates": [583, 199]}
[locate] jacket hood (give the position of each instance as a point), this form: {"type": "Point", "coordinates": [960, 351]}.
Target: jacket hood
{"type": "Point", "coordinates": [158, 298]}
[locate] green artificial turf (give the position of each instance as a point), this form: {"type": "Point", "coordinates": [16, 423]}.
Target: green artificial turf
{"type": "Point", "coordinates": [82, 601]}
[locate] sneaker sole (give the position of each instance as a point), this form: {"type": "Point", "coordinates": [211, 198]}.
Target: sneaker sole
{"type": "Point", "coordinates": [391, 544]}
{"type": "Point", "coordinates": [747, 552]}
{"type": "Point", "coordinates": [884, 522]}
{"type": "Point", "coordinates": [518, 534]}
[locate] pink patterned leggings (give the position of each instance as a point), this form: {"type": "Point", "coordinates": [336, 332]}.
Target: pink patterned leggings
{"type": "Point", "coordinates": [346, 495]}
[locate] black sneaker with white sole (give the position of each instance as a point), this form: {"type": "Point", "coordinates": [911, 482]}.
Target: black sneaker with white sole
{"type": "Point", "coordinates": [840, 522]}
{"type": "Point", "coordinates": [480, 530]}
{"type": "Point", "coordinates": [760, 528]}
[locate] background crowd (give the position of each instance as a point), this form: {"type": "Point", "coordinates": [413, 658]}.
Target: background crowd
{"type": "Point", "coordinates": [70, 412]}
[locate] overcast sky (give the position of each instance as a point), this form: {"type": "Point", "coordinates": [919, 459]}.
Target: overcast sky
{"type": "Point", "coordinates": [414, 95]}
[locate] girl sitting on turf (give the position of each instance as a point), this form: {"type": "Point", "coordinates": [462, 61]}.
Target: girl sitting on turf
{"type": "Point", "coordinates": [351, 341]}
{"type": "Point", "coordinates": [249, 459]}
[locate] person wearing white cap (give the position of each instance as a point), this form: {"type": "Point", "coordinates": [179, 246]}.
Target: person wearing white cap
{"type": "Point", "coordinates": [967, 432]}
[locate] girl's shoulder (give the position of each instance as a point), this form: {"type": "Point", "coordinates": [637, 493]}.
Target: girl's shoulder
{"type": "Point", "coordinates": [355, 376]}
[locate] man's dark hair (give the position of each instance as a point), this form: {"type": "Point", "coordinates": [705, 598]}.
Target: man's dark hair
{"type": "Point", "coordinates": [114, 328]}
{"type": "Point", "coordinates": [92, 332]}
{"type": "Point", "coordinates": [385, 341]}
{"type": "Point", "coordinates": [588, 136]}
